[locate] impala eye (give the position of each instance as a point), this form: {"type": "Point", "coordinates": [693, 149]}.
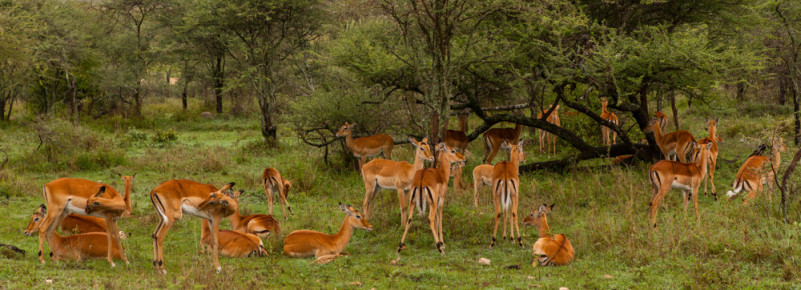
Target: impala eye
{"type": "Point", "coordinates": [531, 215]}
{"type": "Point", "coordinates": [35, 219]}
{"type": "Point", "coordinates": [358, 216]}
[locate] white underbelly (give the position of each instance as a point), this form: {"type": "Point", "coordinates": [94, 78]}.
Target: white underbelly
{"type": "Point", "coordinates": [681, 186]}
{"type": "Point", "coordinates": [386, 183]}
{"type": "Point", "coordinates": [191, 210]}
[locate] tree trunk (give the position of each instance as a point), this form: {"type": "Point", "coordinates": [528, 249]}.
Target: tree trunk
{"type": "Point", "coordinates": [796, 114]}
{"type": "Point", "coordinates": [219, 81]}
{"type": "Point", "coordinates": [268, 129]}
{"type": "Point", "coordinates": [740, 91]}
{"type": "Point", "coordinates": [3, 108]}
{"type": "Point", "coordinates": [74, 92]}
{"type": "Point", "coordinates": [435, 128]}
{"type": "Point", "coordinates": [675, 110]}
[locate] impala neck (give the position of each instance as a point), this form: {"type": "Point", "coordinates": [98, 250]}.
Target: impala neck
{"type": "Point", "coordinates": [543, 229]}
{"type": "Point", "coordinates": [418, 162]}
{"type": "Point", "coordinates": [777, 157]}
{"type": "Point", "coordinates": [702, 161]}
{"type": "Point", "coordinates": [515, 159]}
{"type": "Point", "coordinates": [713, 132]}
{"type": "Point", "coordinates": [342, 237]}
{"type": "Point", "coordinates": [603, 107]}
{"type": "Point", "coordinates": [235, 219]}
{"type": "Point", "coordinates": [657, 134]}
{"type": "Point", "coordinates": [349, 139]}
{"type": "Point", "coordinates": [127, 198]}
{"type": "Point", "coordinates": [444, 165]}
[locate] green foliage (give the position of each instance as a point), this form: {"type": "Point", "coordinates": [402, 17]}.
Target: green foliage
{"type": "Point", "coordinates": [64, 146]}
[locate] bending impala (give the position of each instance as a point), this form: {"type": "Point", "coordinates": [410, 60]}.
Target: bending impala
{"type": "Point", "coordinates": [548, 139]}
{"type": "Point", "coordinates": [549, 249]}
{"type": "Point", "coordinates": [79, 246]}
{"type": "Point", "coordinates": [393, 175]}
{"type": "Point", "coordinates": [505, 192]}
{"type": "Point", "coordinates": [368, 146]}
{"type": "Point", "coordinates": [429, 187]}
{"type": "Point", "coordinates": [668, 174]}
{"type": "Point", "coordinates": [273, 182]}
{"type": "Point", "coordinates": [261, 225]}
{"type": "Point", "coordinates": [174, 198]}
{"type": "Point", "coordinates": [326, 248]}
{"type": "Point", "coordinates": [234, 244]}
{"type": "Point", "coordinates": [756, 171]}
{"type": "Point", "coordinates": [494, 137]}
{"type": "Point", "coordinates": [713, 154]}
{"type": "Point", "coordinates": [674, 144]}
{"type": "Point", "coordinates": [70, 195]}
{"type": "Point", "coordinates": [610, 117]}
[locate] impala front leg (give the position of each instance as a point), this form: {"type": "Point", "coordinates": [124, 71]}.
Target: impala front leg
{"type": "Point", "coordinates": [215, 244]}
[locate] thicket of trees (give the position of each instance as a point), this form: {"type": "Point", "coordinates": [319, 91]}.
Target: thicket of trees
{"type": "Point", "coordinates": [401, 66]}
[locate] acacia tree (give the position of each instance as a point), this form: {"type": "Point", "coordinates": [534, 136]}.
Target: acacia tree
{"type": "Point", "coordinates": [15, 55]}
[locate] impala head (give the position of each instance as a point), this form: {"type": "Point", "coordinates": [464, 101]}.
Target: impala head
{"type": "Point", "coordinates": [654, 122]}
{"type": "Point", "coordinates": [95, 202]}
{"type": "Point", "coordinates": [422, 149]}
{"type": "Point", "coordinates": [604, 101]}
{"type": "Point", "coordinates": [355, 218]}
{"type": "Point", "coordinates": [222, 201]}
{"type": "Point", "coordinates": [127, 179]}
{"type": "Point", "coordinates": [345, 129]}
{"type": "Point", "coordinates": [537, 217]}
{"type": "Point", "coordinates": [287, 186]}
{"type": "Point", "coordinates": [36, 219]}
{"type": "Point", "coordinates": [778, 145]}
{"type": "Point", "coordinates": [450, 154]}
{"type": "Point", "coordinates": [515, 149]}
{"type": "Point", "coordinates": [711, 127]}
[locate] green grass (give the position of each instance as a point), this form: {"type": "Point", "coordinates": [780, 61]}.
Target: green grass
{"type": "Point", "coordinates": [601, 210]}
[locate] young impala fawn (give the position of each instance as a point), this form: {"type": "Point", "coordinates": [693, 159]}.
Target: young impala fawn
{"type": "Point", "coordinates": [505, 193]}
{"type": "Point", "coordinates": [547, 139]}
{"type": "Point", "coordinates": [326, 248]}
{"type": "Point", "coordinates": [605, 131]}
{"type": "Point", "coordinates": [676, 144]}
{"type": "Point", "coordinates": [388, 174]}
{"type": "Point", "coordinates": [667, 174]}
{"type": "Point", "coordinates": [428, 188]}
{"type": "Point", "coordinates": [756, 171]}
{"type": "Point", "coordinates": [369, 146]}
{"type": "Point", "coordinates": [234, 244]}
{"type": "Point", "coordinates": [713, 154]}
{"type": "Point", "coordinates": [261, 225]}
{"type": "Point", "coordinates": [75, 247]}
{"type": "Point", "coordinates": [273, 182]}
{"type": "Point", "coordinates": [549, 249]}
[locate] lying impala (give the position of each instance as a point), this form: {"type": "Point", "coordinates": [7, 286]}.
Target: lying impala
{"type": "Point", "coordinates": [261, 225]}
{"type": "Point", "coordinates": [549, 249]}
{"type": "Point", "coordinates": [70, 195]}
{"type": "Point", "coordinates": [273, 182]}
{"type": "Point", "coordinates": [429, 187]}
{"type": "Point", "coordinates": [713, 154]}
{"type": "Point", "coordinates": [676, 144]}
{"type": "Point", "coordinates": [234, 244]}
{"type": "Point", "coordinates": [505, 192]}
{"type": "Point", "coordinates": [393, 175]}
{"type": "Point", "coordinates": [458, 140]}
{"type": "Point", "coordinates": [173, 198]}
{"type": "Point", "coordinates": [756, 171]}
{"type": "Point", "coordinates": [73, 223]}
{"type": "Point", "coordinates": [548, 139]}
{"type": "Point", "coordinates": [667, 174]}
{"type": "Point", "coordinates": [369, 146]}
{"type": "Point", "coordinates": [92, 245]}
{"type": "Point", "coordinates": [605, 131]}
{"type": "Point", "coordinates": [494, 137]}
{"type": "Point", "coordinates": [326, 248]}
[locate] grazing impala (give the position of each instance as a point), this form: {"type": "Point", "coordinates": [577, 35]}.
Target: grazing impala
{"type": "Point", "coordinates": [548, 139]}
{"type": "Point", "coordinates": [667, 174]}
{"type": "Point", "coordinates": [713, 154]}
{"type": "Point", "coordinates": [324, 247]}
{"type": "Point", "coordinates": [458, 140]}
{"type": "Point", "coordinates": [549, 249]}
{"type": "Point", "coordinates": [273, 182]}
{"type": "Point", "coordinates": [662, 119]}
{"type": "Point", "coordinates": [429, 187]}
{"type": "Point", "coordinates": [369, 146]}
{"type": "Point", "coordinates": [70, 195]}
{"type": "Point", "coordinates": [91, 245]}
{"type": "Point", "coordinates": [261, 225]}
{"type": "Point", "coordinates": [234, 244]}
{"type": "Point", "coordinates": [756, 171]}
{"type": "Point", "coordinates": [393, 175]}
{"type": "Point", "coordinates": [605, 131]}
{"type": "Point", "coordinates": [505, 192]}
{"type": "Point", "coordinates": [494, 137]}
{"type": "Point", "coordinates": [173, 198]}
{"type": "Point", "coordinates": [676, 144]}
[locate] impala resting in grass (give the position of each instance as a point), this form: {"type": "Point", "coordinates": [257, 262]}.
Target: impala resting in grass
{"type": "Point", "coordinates": [549, 249]}
{"type": "Point", "coordinates": [393, 175]}
{"type": "Point", "coordinates": [605, 131]}
{"type": "Point", "coordinates": [757, 171]}
{"type": "Point", "coordinates": [261, 225]}
{"type": "Point", "coordinates": [234, 244]}
{"type": "Point", "coordinates": [326, 248]}
{"type": "Point", "coordinates": [73, 224]}
{"type": "Point", "coordinates": [713, 154]}
{"type": "Point", "coordinates": [667, 174]}
{"type": "Point", "coordinates": [93, 245]}
{"type": "Point", "coordinates": [547, 139]}
{"type": "Point", "coordinates": [71, 195]}
{"type": "Point", "coordinates": [505, 193]}
{"type": "Point", "coordinates": [274, 183]}
{"type": "Point", "coordinates": [428, 188]}
{"type": "Point", "coordinates": [173, 198]}
{"type": "Point", "coordinates": [676, 144]}
{"type": "Point", "coordinates": [368, 146]}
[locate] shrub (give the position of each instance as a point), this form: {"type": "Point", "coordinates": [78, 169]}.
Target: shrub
{"type": "Point", "coordinates": [63, 146]}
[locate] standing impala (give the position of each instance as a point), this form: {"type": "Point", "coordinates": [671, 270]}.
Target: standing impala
{"type": "Point", "coordinates": [610, 117]}
{"type": "Point", "coordinates": [458, 140]}
{"type": "Point", "coordinates": [393, 175]}
{"type": "Point", "coordinates": [713, 154]}
{"type": "Point", "coordinates": [324, 247]}
{"type": "Point", "coordinates": [70, 195]}
{"type": "Point", "coordinates": [429, 187]}
{"type": "Point", "coordinates": [548, 139]}
{"type": "Point", "coordinates": [662, 119]}
{"type": "Point", "coordinates": [261, 225]}
{"type": "Point", "coordinates": [482, 176]}
{"type": "Point", "coordinates": [92, 245]}
{"type": "Point", "coordinates": [667, 174]}
{"type": "Point", "coordinates": [549, 249]}
{"type": "Point", "coordinates": [369, 146]}
{"type": "Point", "coordinates": [505, 193]}
{"type": "Point", "coordinates": [173, 198]}
{"type": "Point", "coordinates": [494, 137]}
{"type": "Point", "coordinates": [676, 144]}
{"type": "Point", "coordinates": [274, 183]}
{"type": "Point", "coordinates": [756, 171]}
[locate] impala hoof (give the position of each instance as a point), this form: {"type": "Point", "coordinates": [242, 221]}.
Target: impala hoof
{"type": "Point", "coordinates": [219, 269]}
{"type": "Point", "coordinates": [113, 265]}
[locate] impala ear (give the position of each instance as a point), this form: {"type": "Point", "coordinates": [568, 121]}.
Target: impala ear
{"type": "Point", "coordinates": [133, 177]}
{"type": "Point", "coordinates": [414, 142]}
{"type": "Point", "coordinates": [120, 175]}
{"type": "Point", "coordinates": [425, 140]}
{"type": "Point", "coordinates": [344, 208]}
{"type": "Point", "coordinates": [43, 209]}
{"type": "Point", "coordinates": [716, 120]}
{"type": "Point", "coordinates": [101, 191]}
{"type": "Point", "coordinates": [550, 208]}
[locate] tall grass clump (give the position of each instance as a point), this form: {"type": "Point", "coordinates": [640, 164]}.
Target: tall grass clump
{"type": "Point", "coordinates": [65, 147]}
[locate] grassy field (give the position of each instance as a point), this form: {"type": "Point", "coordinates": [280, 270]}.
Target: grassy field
{"type": "Point", "coordinates": [602, 210]}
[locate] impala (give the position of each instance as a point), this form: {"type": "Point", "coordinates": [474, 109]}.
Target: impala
{"type": "Point", "coordinates": [72, 223]}
{"type": "Point", "coordinates": [234, 244]}
{"type": "Point", "coordinates": [756, 171]}
{"type": "Point", "coordinates": [667, 174]}
{"type": "Point", "coordinates": [369, 146]}
{"type": "Point", "coordinates": [70, 195]}
{"type": "Point", "coordinates": [273, 182]}
{"type": "Point", "coordinates": [494, 137]}
{"type": "Point", "coordinates": [610, 117]}
{"type": "Point", "coordinates": [662, 119]}
{"type": "Point", "coordinates": [128, 183]}
{"type": "Point", "coordinates": [261, 225]}
{"type": "Point", "coordinates": [429, 187]}
{"type": "Point", "coordinates": [393, 175]}
{"type": "Point", "coordinates": [79, 246]}
{"type": "Point", "coordinates": [458, 140]}
{"type": "Point", "coordinates": [548, 139]}
{"type": "Point", "coordinates": [505, 192]}
{"type": "Point", "coordinates": [173, 198]}
{"type": "Point", "coordinates": [713, 154]}
{"type": "Point", "coordinates": [676, 144]}
{"type": "Point", "coordinates": [549, 249]}
{"type": "Point", "coordinates": [324, 247]}
{"type": "Point", "coordinates": [482, 176]}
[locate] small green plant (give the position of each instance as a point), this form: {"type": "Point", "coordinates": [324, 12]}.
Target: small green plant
{"type": "Point", "coordinates": [164, 137]}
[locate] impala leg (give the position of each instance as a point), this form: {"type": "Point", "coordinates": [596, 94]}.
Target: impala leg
{"type": "Point", "coordinates": [432, 222]}
{"type": "Point", "coordinates": [487, 148]}
{"type": "Point", "coordinates": [408, 222]}
{"type": "Point", "coordinates": [388, 150]}
{"type": "Point", "coordinates": [684, 200]}
{"type": "Point", "coordinates": [497, 203]}
{"type": "Point", "coordinates": [655, 204]}
{"type": "Point", "coordinates": [111, 239]}
{"type": "Point", "coordinates": [403, 202]}
{"type": "Point", "coordinates": [614, 137]}
{"type": "Point", "coordinates": [457, 181]}
{"type": "Point", "coordinates": [47, 228]}
{"type": "Point", "coordinates": [495, 148]}
{"type": "Point", "coordinates": [440, 206]}
{"type": "Point", "coordinates": [286, 203]}
{"type": "Point", "coordinates": [362, 160]}
{"type": "Point", "coordinates": [268, 190]}
{"type": "Point", "coordinates": [712, 166]}
{"type": "Point", "coordinates": [476, 185]}
{"type": "Point", "coordinates": [369, 189]}
{"type": "Point", "coordinates": [694, 193]}
{"type": "Point", "coordinates": [215, 244]}
{"type": "Point", "coordinates": [158, 242]}
{"type": "Point", "coordinates": [515, 217]}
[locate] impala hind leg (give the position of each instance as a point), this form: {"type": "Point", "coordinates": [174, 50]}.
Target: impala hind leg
{"type": "Point", "coordinates": [432, 222]}
{"type": "Point", "coordinates": [497, 203]}
{"type": "Point", "coordinates": [268, 191]}
{"type": "Point", "coordinates": [694, 194]}
{"type": "Point", "coordinates": [440, 206]}
{"type": "Point", "coordinates": [515, 217]}
{"type": "Point", "coordinates": [403, 203]}
{"type": "Point", "coordinates": [46, 230]}
{"type": "Point", "coordinates": [158, 243]}
{"type": "Point", "coordinates": [114, 237]}
{"type": "Point", "coordinates": [712, 165]}
{"type": "Point", "coordinates": [286, 203]}
{"type": "Point", "coordinates": [663, 190]}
